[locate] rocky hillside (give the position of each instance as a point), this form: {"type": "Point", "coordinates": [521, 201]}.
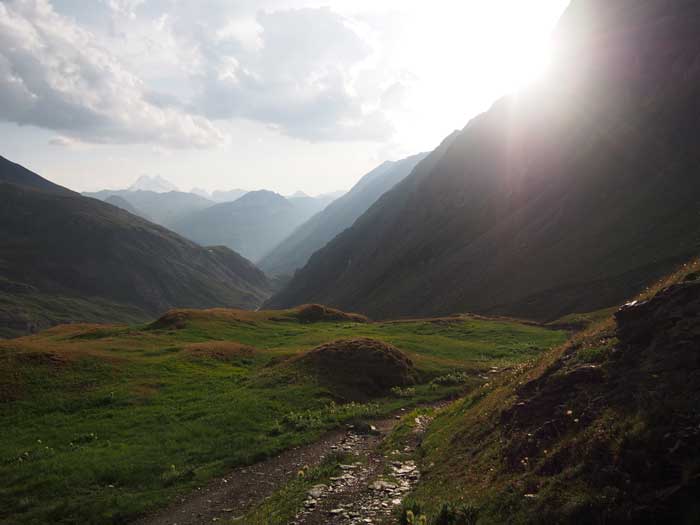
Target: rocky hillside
{"type": "Point", "coordinates": [568, 197]}
{"type": "Point", "coordinates": [65, 257]}
{"type": "Point", "coordinates": [295, 250]}
{"type": "Point", "coordinates": [603, 430]}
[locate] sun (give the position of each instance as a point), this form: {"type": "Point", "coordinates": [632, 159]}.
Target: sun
{"type": "Point", "coordinates": [462, 56]}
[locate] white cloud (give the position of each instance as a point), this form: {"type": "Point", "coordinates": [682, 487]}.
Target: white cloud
{"type": "Point", "coordinates": [175, 72]}
{"type": "Point", "coordinates": [63, 142]}
{"type": "Point", "coordinates": [55, 74]}
{"type": "Point", "coordinates": [294, 69]}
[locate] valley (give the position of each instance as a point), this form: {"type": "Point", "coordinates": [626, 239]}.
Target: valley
{"type": "Point", "coordinates": [501, 329]}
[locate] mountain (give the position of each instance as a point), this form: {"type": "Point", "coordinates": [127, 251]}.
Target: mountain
{"type": "Point", "coordinates": [155, 183]}
{"type": "Point", "coordinates": [294, 251]}
{"type": "Point", "coordinates": [568, 197]}
{"type": "Point", "coordinates": [227, 196]}
{"type": "Point", "coordinates": [162, 208]}
{"type": "Point", "coordinates": [120, 202]}
{"type": "Point", "coordinates": [12, 173]}
{"type": "Point", "coordinates": [310, 205]}
{"type": "Point", "coordinates": [251, 225]}
{"type": "Point", "coordinates": [65, 257]}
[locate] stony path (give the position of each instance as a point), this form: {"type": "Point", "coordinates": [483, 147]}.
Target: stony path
{"type": "Point", "coordinates": [368, 491]}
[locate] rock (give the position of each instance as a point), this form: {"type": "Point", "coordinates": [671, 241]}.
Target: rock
{"type": "Point", "coordinates": [382, 485]}
{"type": "Point", "coordinates": [317, 490]}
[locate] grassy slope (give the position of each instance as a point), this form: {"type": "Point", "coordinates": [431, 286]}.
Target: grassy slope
{"type": "Point", "coordinates": [104, 422]}
{"type": "Point", "coordinates": [545, 445]}
{"type": "Point", "coordinates": [21, 313]}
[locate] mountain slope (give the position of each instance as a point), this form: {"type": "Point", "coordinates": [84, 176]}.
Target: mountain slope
{"type": "Point", "coordinates": [164, 208]}
{"type": "Point", "coordinates": [252, 225]}
{"type": "Point", "coordinates": [602, 430]}
{"type": "Point", "coordinates": [294, 251]}
{"type": "Point", "coordinates": [58, 245]}
{"type": "Point", "coordinates": [121, 202]}
{"type": "Point", "coordinates": [12, 173]}
{"type": "Point", "coordinates": [565, 198]}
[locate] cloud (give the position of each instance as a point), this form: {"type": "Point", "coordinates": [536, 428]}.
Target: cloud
{"type": "Point", "coordinates": [55, 74]}
{"type": "Point", "coordinates": [298, 76]}
{"type": "Point", "coordinates": [63, 142]}
{"type": "Point", "coordinates": [174, 73]}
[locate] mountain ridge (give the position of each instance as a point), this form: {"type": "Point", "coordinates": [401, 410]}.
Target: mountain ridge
{"type": "Point", "coordinates": [583, 179]}
{"type": "Point", "coordinates": [295, 250]}
{"type": "Point", "coordinates": [252, 224]}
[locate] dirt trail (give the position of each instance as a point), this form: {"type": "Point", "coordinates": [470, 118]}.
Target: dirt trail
{"type": "Point", "coordinates": [363, 493]}
{"type": "Point", "coordinates": [234, 494]}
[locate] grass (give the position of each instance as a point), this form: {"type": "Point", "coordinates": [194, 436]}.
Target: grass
{"type": "Point", "coordinates": [40, 310]}
{"type": "Point", "coordinates": [102, 423]}
{"type": "Point", "coordinates": [475, 455]}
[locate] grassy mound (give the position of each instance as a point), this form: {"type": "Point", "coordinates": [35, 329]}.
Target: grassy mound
{"type": "Point", "coordinates": [177, 319]}
{"type": "Point", "coordinates": [360, 368]}
{"type": "Point", "coordinates": [316, 313]}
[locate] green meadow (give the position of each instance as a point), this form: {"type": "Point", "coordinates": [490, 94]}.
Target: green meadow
{"type": "Point", "coordinates": [103, 423]}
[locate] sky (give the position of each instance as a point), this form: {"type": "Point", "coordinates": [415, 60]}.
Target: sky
{"type": "Point", "coordinates": [284, 95]}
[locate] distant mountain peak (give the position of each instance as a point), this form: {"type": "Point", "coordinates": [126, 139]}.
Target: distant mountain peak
{"type": "Point", "coordinates": [298, 194]}
{"type": "Point", "coordinates": [154, 183]}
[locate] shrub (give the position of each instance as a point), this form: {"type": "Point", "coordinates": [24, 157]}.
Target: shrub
{"type": "Point", "coordinates": [409, 512]}
{"type": "Point", "coordinates": [451, 379]}
{"type": "Point", "coordinates": [451, 514]}
{"type": "Point", "coordinates": [398, 391]}
{"type": "Point", "coordinates": [331, 414]}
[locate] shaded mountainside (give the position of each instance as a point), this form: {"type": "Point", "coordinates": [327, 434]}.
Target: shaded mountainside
{"type": "Point", "coordinates": [295, 250]}
{"type": "Point", "coordinates": [165, 208]}
{"type": "Point", "coordinates": [13, 173]}
{"type": "Point", "coordinates": [58, 249]}
{"type": "Point", "coordinates": [252, 225]}
{"type": "Point", "coordinates": [605, 429]}
{"type": "Point", "coordinates": [565, 198]}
